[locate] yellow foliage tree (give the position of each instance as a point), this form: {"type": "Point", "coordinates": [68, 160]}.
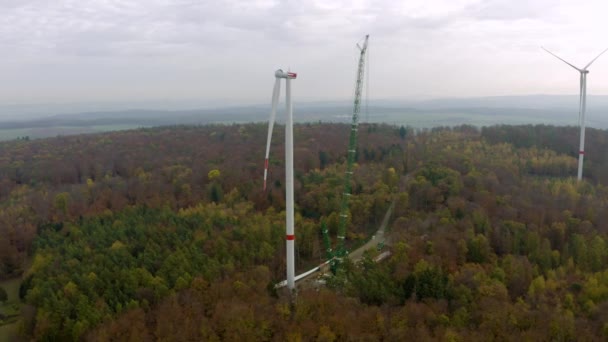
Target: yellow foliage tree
{"type": "Point", "coordinates": [213, 174]}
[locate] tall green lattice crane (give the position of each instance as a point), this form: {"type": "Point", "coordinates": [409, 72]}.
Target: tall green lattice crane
{"type": "Point", "coordinates": [335, 256]}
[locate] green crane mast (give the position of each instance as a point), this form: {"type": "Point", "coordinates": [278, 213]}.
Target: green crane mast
{"type": "Point", "coordinates": [340, 251]}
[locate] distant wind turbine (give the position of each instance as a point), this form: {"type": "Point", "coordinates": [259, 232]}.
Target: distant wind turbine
{"type": "Point", "coordinates": [290, 236]}
{"type": "Point", "coordinates": [582, 107]}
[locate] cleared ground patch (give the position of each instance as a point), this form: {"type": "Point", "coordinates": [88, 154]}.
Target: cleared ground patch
{"type": "Point", "coordinates": [9, 310]}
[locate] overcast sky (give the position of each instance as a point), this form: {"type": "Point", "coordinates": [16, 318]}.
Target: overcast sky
{"type": "Point", "coordinates": [226, 51]}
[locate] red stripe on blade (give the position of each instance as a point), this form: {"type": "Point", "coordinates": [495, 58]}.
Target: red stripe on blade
{"type": "Point", "coordinates": [290, 237]}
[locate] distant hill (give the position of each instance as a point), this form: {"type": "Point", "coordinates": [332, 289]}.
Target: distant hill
{"type": "Point", "coordinates": [522, 101]}
{"type": "Point", "coordinates": [16, 121]}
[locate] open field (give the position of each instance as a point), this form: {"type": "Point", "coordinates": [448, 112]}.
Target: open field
{"type": "Point", "coordinates": [418, 119]}
{"type": "Point", "coordinates": [508, 110]}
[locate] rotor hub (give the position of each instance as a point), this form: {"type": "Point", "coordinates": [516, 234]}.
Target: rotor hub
{"type": "Point", "coordinates": [282, 74]}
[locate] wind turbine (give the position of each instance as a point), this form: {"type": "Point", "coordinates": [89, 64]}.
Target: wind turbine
{"type": "Point", "coordinates": [290, 236]}
{"type": "Point", "coordinates": [582, 107]}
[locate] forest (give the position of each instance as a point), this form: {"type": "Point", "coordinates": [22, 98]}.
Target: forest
{"type": "Point", "coordinates": [165, 234]}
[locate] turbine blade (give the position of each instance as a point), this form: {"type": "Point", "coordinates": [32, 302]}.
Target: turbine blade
{"type": "Point", "coordinates": [273, 113]}
{"type": "Point", "coordinates": [556, 56]}
{"type": "Point", "coordinates": [598, 56]}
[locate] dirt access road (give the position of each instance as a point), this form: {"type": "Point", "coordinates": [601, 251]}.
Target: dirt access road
{"type": "Point", "coordinates": [379, 237]}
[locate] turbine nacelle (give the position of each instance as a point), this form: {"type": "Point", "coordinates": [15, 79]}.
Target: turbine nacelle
{"type": "Point", "coordinates": [282, 74]}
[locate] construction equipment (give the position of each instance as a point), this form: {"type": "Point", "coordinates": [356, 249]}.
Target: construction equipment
{"type": "Point", "coordinates": [335, 256]}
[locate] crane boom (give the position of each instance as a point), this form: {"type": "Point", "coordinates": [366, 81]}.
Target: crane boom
{"type": "Point", "coordinates": [352, 151]}
{"type": "Point", "coordinates": [340, 250]}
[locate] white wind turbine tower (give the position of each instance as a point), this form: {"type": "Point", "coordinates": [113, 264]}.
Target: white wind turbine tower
{"type": "Point", "coordinates": [290, 236]}
{"type": "Point", "coordinates": [582, 107]}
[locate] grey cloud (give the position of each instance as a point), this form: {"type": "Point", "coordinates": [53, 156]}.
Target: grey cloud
{"type": "Point", "coordinates": [196, 41]}
{"type": "Point", "coordinates": [288, 22]}
{"type": "Point", "coordinates": [90, 28]}
{"type": "Point", "coordinates": [511, 10]}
